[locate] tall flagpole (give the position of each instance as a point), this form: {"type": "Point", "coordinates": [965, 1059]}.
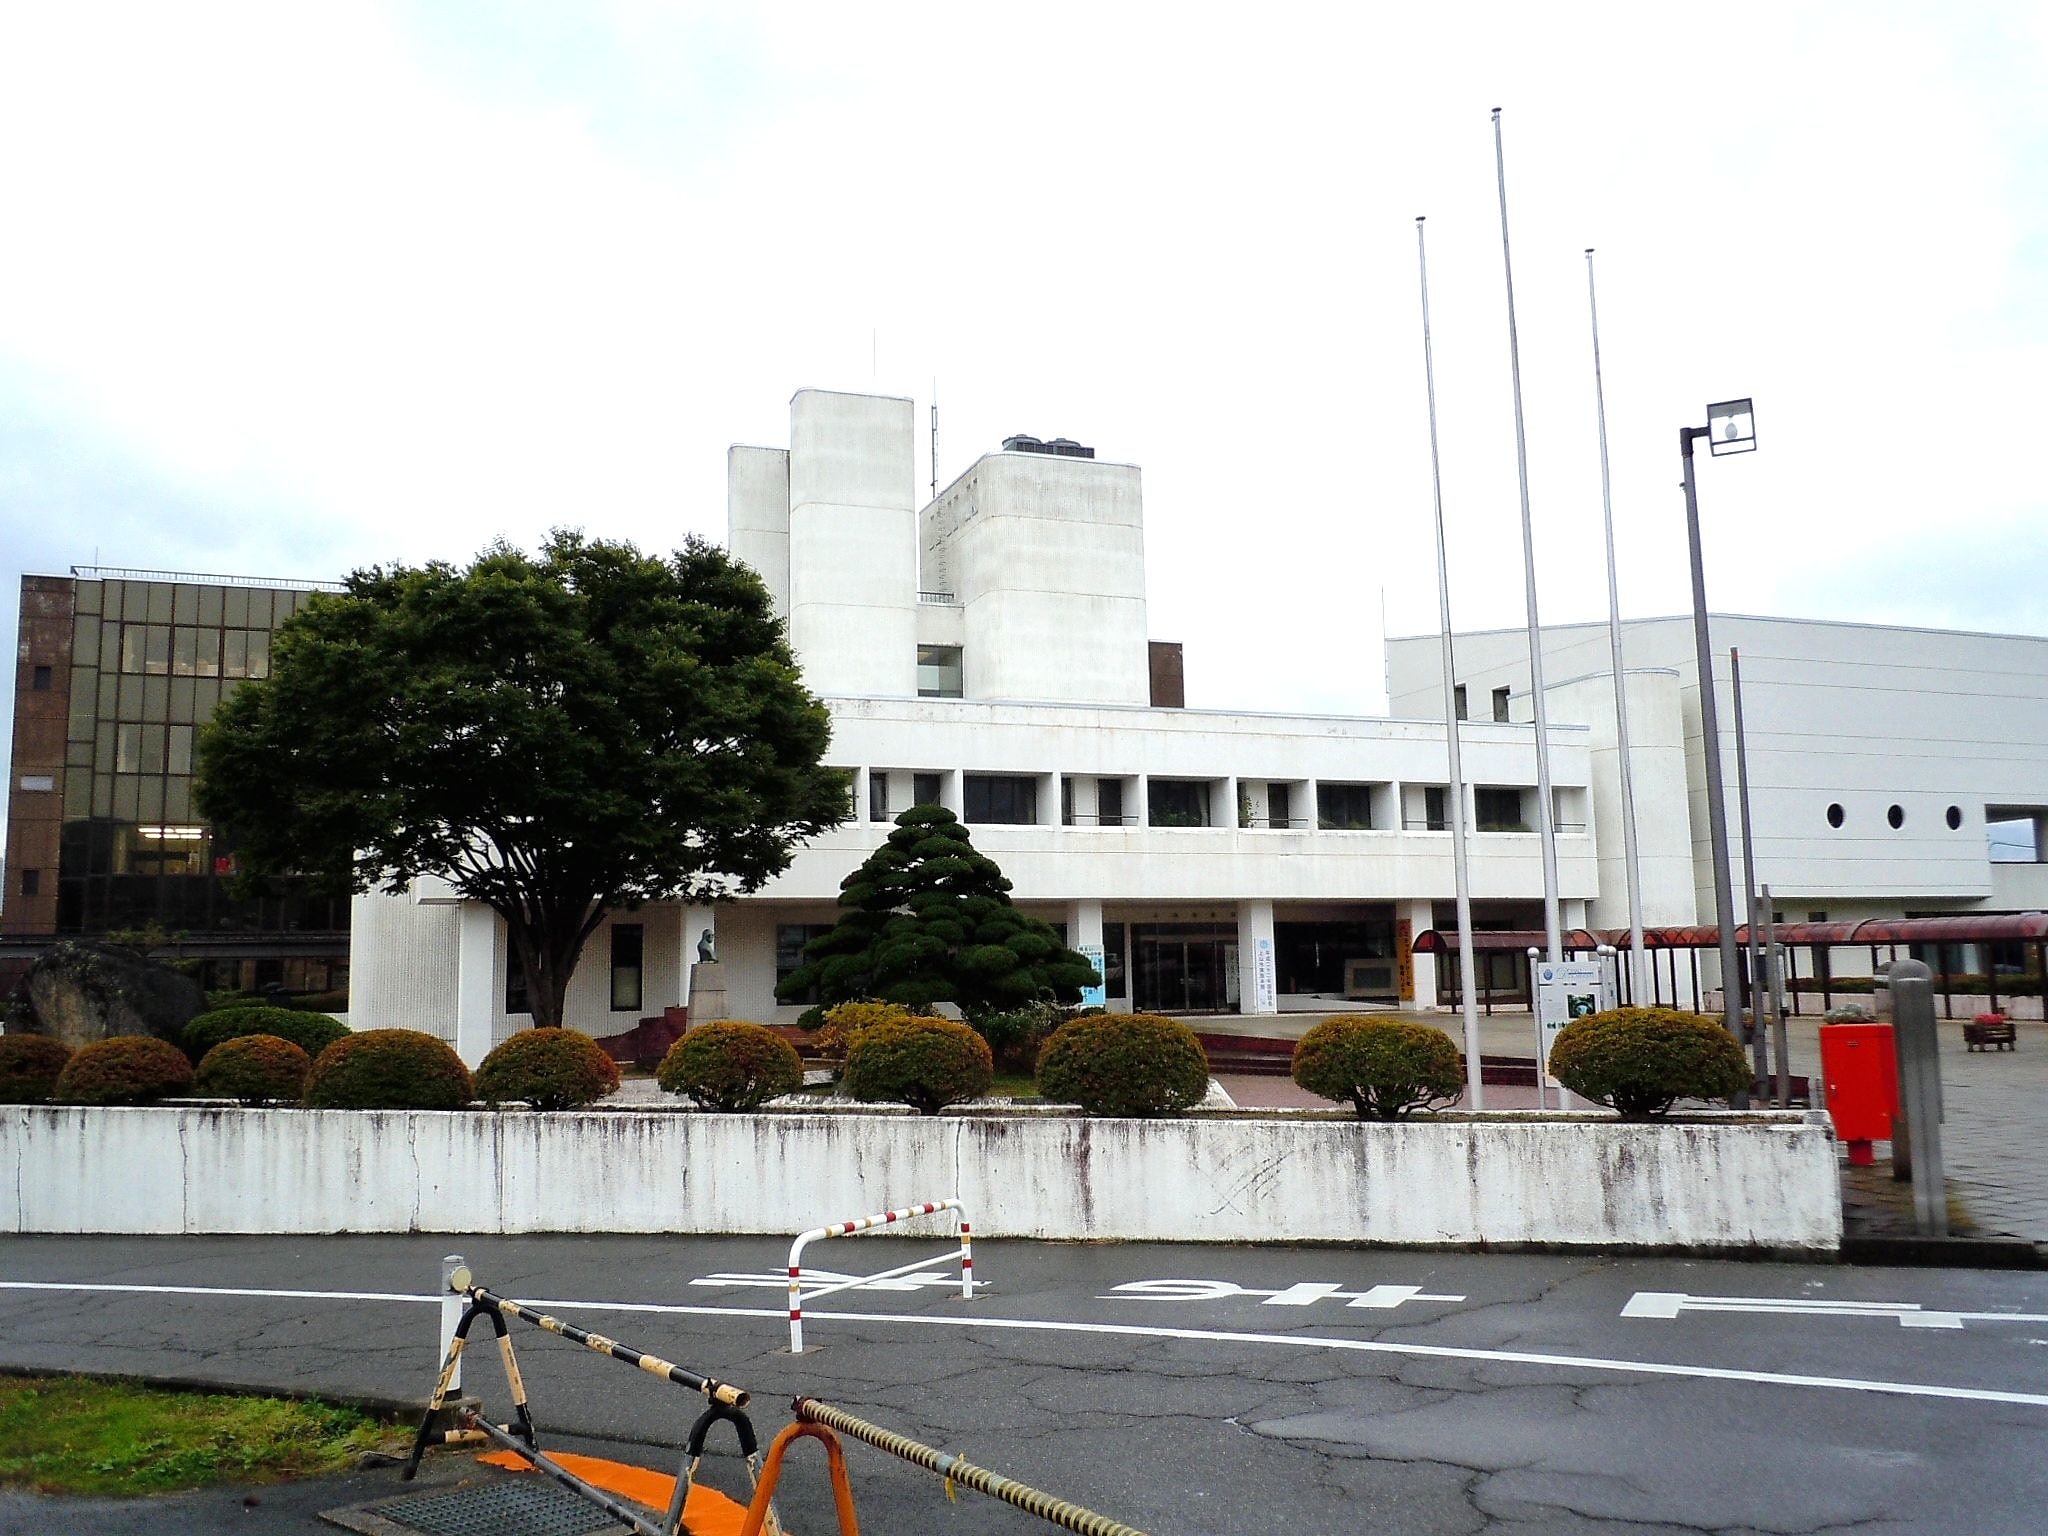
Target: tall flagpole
{"type": "Point", "coordinates": [1545, 811]}
{"type": "Point", "coordinates": [1468, 985]}
{"type": "Point", "coordinates": [1637, 959]}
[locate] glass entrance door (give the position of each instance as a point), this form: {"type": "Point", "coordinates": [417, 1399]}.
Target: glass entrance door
{"type": "Point", "coordinates": [1184, 968]}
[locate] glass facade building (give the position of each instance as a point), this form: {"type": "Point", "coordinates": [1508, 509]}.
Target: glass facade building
{"type": "Point", "coordinates": [116, 675]}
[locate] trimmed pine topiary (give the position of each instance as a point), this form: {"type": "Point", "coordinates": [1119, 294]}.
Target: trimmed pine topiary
{"type": "Point", "coordinates": [731, 1066]}
{"type": "Point", "coordinates": [29, 1068]}
{"type": "Point", "coordinates": [256, 1069]}
{"type": "Point", "coordinates": [310, 1032]}
{"type": "Point", "coordinates": [127, 1069]}
{"type": "Point", "coordinates": [549, 1069]}
{"type": "Point", "coordinates": [1640, 1061]}
{"type": "Point", "coordinates": [1384, 1068]}
{"type": "Point", "coordinates": [927, 1063]}
{"type": "Point", "coordinates": [389, 1069]}
{"type": "Point", "coordinates": [1129, 1065]}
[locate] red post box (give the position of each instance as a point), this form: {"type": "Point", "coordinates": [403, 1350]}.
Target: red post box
{"type": "Point", "coordinates": [1860, 1065]}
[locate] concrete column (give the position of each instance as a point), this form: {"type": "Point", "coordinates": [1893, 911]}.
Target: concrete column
{"type": "Point", "coordinates": [1421, 917]}
{"type": "Point", "coordinates": [1257, 964]}
{"type": "Point", "coordinates": [1084, 925]}
{"type": "Point", "coordinates": [478, 975]}
{"type": "Point", "coordinates": [953, 792]}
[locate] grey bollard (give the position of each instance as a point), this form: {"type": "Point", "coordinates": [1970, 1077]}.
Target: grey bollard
{"type": "Point", "coordinates": [451, 1314]}
{"type": "Point", "coordinates": [1918, 1046]}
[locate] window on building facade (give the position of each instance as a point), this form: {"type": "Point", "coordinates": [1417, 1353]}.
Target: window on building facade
{"type": "Point", "coordinates": [790, 939]}
{"type": "Point", "coordinates": [41, 679]}
{"type": "Point", "coordinates": [627, 945]}
{"type": "Point", "coordinates": [1177, 803]}
{"type": "Point", "coordinates": [516, 998]}
{"type": "Point", "coordinates": [940, 674]}
{"type": "Point", "coordinates": [1498, 810]}
{"type": "Point", "coordinates": [999, 799]}
{"type": "Point", "coordinates": [1344, 807]}
{"type": "Point", "coordinates": [1279, 805]}
{"type": "Point", "coordinates": [31, 882]}
{"type": "Point", "coordinates": [878, 797]}
{"type": "Point", "coordinates": [1458, 700]}
{"type": "Point", "coordinates": [1436, 800]}
{"type": "Point", "coordinates": [925, 790]}
{"type": "Point", "coordinates": [1109, 803]}
{"type": "Point", "coordinates": [1500, 704]}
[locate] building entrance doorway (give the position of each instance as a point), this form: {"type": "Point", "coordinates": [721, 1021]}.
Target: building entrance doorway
{"type": "Point", "coordinates": [1184, 968]}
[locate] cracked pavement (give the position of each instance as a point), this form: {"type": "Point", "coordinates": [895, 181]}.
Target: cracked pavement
{"type": "Point", "coordinates": [1229, 1412]}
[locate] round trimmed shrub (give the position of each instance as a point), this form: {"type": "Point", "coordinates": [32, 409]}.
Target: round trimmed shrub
{"type": "Point", "coordinates": [389, 1069]}
{"type": "Point", "coordinates": [310, 1032]}
{"type": "Point", "coordinates": [731, 1066]}
{"type": "Point", "coordinates": [1381, 1067]}
{"type": "Point", "coordinates": [256, 1069]}
{"type": "Point", "coordinates": [927, 1063]}
{"type": "Point", "coordinates": [1124, 1064]}
{"type": "Point", "coordinates": [1639, 1061]}
{"type": "Point", "coordinates": [843, 1021]}
{"type": "Point", "coordinates": [29, 1068]}
{"type": "Point", "coordinates": [127, 1069]}
{"type": "Point", "coordinates": [549, 1069]}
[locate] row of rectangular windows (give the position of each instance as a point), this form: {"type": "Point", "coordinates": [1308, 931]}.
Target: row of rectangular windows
{"type": "Point", "coordinates": [993, 799]}
{"type": "Point", "coordinates": [167, 602]}
{"type": "Point", "coordinates": [162, 650]}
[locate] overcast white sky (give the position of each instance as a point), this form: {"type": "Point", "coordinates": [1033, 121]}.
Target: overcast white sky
{"type": "Point", "coordinates": [290, 289]}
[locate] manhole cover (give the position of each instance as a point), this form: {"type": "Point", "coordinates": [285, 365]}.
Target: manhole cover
{"type": "Point", "coordinates": [516, 1506]}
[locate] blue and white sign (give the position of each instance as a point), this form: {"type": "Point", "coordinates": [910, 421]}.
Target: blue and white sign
{"type": "Point", "coordinates": [1096, 996]}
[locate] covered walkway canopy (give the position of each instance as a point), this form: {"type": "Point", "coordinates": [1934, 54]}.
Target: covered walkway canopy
{"type": "Point", "coordinates": [1873, 932]}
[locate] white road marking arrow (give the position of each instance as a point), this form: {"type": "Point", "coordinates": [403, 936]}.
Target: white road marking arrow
{"type": "Point", "coordinates": [922, 1279]}
{"type": "Point", "coordinates": [1908, 1314]}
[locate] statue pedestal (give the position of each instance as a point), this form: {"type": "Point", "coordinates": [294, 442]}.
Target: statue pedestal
{"type": "Point", "coordinates": [707, 993]}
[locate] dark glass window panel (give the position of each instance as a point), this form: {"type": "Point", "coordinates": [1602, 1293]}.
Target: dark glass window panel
{"type": "Point", "coordinates": [790, 939]}
{"type": "Point", "coordinates": [924, 789]}
{"type": "Point", "coordinates": [156, 649]}
{"type": "Point", "coordinates": [209, 607]}
{"type": "Point", "coordinates": [1436, 808]}
{"type": "Point", "coordinates": [161, 602]}
{"type": "Point", "coordinates": [41, 679]}
{"type": "Point", "coordinates": [996, 799]}
{"type": "Point", "coordinates": [1498, 810]}
{"type": "Point", "coordinates": [1345, 807]}
{"type": "Point", "coordinates": [259, 653]}
{"type": "Point", "coordinates": [517, 999]}
{"type": "Point", "coordinates": [878, 797]}
{"type": "Point", "coordinates": [1177, 803]}
{"type": "Point", "coordinates": [1278, 801]}
{"type": "Point", "coordinates": [1109, 802]}
{"type": "Point", "coordinates": [178, 752]}
{"type": "Point", "coordinates": [235, 653]}
{"type": "Point", "coordinates": [627, 945]}
{"type": "Point", "coordinates": [31, 882]}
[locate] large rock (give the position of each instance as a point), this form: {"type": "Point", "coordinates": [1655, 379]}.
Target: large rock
{"type": "Point", "coordinates": [81, 992]}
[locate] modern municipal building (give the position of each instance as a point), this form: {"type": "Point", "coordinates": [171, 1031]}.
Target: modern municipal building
{"type": "Point", "coordinates": [990, 651]}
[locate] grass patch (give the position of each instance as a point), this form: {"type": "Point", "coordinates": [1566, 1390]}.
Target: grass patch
{"type": "Point", "coordinates": [70, 1435]}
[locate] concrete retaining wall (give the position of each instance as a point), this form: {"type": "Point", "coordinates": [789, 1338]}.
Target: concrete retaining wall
{"type": "Point", "coordinates": [1716, 1182]}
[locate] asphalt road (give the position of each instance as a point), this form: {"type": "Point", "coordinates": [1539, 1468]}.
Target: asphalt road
{"type": "Point", "coordinates": [1300, 1389]}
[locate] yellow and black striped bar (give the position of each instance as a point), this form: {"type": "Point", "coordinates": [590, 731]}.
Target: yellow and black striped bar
{"type": "Point", "coordinates": [1059, 1512]}
{"type": "Point", "coordinates": [713, 1390]}
{"type": "Point", "coordinates": [444, 1386]}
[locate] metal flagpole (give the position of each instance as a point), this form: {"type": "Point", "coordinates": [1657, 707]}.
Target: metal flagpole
{"type": "Point", "coordinates": [1545, 810]}
{"type": "Point", "coordinates": [1460, 858]}
{"type": "Point", "coordinates": [1752, 952]}
{"type": "Point", "coordinates": [1637, 958]}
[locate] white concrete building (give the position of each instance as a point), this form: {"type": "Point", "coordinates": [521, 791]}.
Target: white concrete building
{"type": "Point", "coordinates": [990, 653]}
{"type": "Point", "coordinates": [1893, 771]}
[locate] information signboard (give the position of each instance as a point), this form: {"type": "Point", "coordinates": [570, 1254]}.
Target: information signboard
{"type": "Point", "coordinates": [1565, 990]}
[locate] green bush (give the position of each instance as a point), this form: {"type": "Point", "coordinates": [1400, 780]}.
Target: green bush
{"type": "Point", "coordinates": [731, 1066]}
{"type": "Point", "coordinates": [310, 1032]}
{"type": "Point", "coordinates": [29, 1068]}
{"type": "Point", "coordinates": [927, 1063]}
{"type": "Point", "coordinates": [128, 1069]}
{"type": "Point", "coordinates": [323, 1002]}
{"type": "Point", "coordinates": [256, 1069]}
{"type": "Point", "coordinates": [1126, 1064]}
{"type": "Point", "coordinates": [1639, 1061]}
{"type": "Point", "coordinates": [1382, 1067]}
{"type": "Point", "coordinates": [549, 1069]}
{"type": "Point", "coordinates": [1017, 1035]}
{"type": "Point", "coordinates": [388, 1069]}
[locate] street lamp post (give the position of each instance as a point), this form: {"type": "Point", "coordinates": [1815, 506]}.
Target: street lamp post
{"type": "Point", "coordinates": [1730, 428]}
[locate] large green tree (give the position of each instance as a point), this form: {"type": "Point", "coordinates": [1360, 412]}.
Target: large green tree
{"type": "Point", "coordinates": [927, 918]}
{"type": "Point", "coordinates": [558, 736]}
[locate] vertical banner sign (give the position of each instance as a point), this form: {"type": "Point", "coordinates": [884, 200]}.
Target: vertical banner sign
{"type": "Point", "coordinates": [1265, 990]}
{"type": "Point", "coordinates": [1096, 996]}
{"type": "Point", "coordinates": [1404, 959]}
{"type": "Point", "coordinates": [1565, 991]}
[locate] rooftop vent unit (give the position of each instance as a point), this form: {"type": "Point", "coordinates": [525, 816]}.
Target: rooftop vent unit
{"type": "Point", "coordinates": [1062, 447]}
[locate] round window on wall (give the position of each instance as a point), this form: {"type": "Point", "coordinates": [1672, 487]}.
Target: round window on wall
{"type": "Point", "coordinates": [1955, 818]}
{"type": "Point", "coordinates": [1835, 814]}
{"type": "Point", "coordinates": [1896, 816]}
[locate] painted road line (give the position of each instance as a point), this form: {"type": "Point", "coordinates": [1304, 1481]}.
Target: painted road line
{"type": "Point", "coordinates": [1908, 1314]}
{"type": "Point", "coordinates": [1304, 1293]}
{"type": "Point", "coordinates": [1403, 1348]}
{"type": "Point", "coordinates": [923, 1279]}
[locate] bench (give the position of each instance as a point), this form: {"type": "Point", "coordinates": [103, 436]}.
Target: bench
{"type": "Point", "coordinates": [1990, 1031]}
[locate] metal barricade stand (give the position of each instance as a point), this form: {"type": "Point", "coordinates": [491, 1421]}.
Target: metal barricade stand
{"type": "Point", "coordinates": [724, 1404]}
{"type": "Point", "coordinates": [822, 1422]}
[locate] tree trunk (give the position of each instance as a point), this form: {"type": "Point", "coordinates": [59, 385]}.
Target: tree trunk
{"type": "Point", "coordinates": [547, 952]}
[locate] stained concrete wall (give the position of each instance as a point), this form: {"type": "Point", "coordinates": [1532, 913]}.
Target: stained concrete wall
{"type": "Point", "coordinates": [1723, 1182]}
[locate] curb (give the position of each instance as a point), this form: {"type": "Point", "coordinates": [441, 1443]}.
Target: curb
{"type": "Point", "coordinates": [1945, 1252]}
{"type": "Point", "coordinates": [390, 1409]}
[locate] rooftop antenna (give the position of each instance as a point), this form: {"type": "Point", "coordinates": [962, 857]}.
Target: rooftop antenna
{"type": "Point", "coordinates": [935, 439]}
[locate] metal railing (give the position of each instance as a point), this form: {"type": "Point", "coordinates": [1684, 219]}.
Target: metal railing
{"type": "Point", "coordinates": [201, 578]}
{"type": "Point", "coordinates": [938, 599]}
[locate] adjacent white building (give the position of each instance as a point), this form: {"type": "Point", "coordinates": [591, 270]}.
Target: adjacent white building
{"type": "Point", "coordinates": [990, 652]}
